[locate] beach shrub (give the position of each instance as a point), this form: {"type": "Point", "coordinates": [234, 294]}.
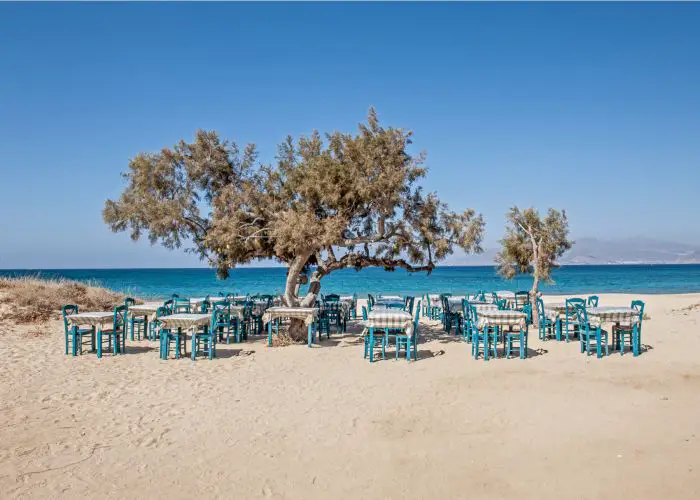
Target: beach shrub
{"type": "Point", "coordinates": [36, 300]}
{"type": "Point", "coordinates": [326, 203]}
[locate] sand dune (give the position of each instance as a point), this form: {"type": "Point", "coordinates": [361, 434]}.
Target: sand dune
{"type": "Point", "coordinates": [294, 422]}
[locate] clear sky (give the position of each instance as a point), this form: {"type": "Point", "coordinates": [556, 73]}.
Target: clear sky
{"type": "Point", "coordinates": [594, 108]}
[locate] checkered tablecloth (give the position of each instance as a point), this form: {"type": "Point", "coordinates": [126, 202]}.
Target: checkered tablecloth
{"type": "Point", "coordinates": [144, 309]}
{"type": "Point", "coordinates": [390, 319]}
{"type": "Point", "coordinates": [454, 303]}
{"type": "Point", "coordinates": [237, 311]}
{"type": "Point", "coordinates": [184, 320]}
{"type": "Point", "coordinates": [91, 318]}
{"type": "Point", "coordinates": [501, 318]}
{"type": "Point", "coordinates": [308, 314]}
{"type": "Point", "coordinates": [343, 307]}
{"type": "Point", "coordinates": [623, 315]}
{"type": "Point", "coordinates": [557, 311]}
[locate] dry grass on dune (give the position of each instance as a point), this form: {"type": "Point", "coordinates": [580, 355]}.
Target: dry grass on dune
{"type": "Point", "coordinates": [35, 300]}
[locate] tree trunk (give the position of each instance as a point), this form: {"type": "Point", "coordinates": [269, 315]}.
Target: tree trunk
{"type": "Point", "coordinates": [297, 330]}
{"type": "Point", "coordinates": [534, 292]}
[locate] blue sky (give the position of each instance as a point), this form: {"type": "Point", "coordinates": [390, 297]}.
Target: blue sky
{"type": "Point", "coordinates": [594, 108]}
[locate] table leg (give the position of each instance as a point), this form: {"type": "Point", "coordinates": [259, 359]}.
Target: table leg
{"type": "Point", "coordinates": [408, 347]}
{"type": "Point", "coordinates": [99, 341]}
{"type": "Point", "coordinates": [269, 334]}
{"type": "Point", "coordinates": [371, 344]}
{"type": "Point", "coordinates": [486, 342]}
{"type": "Point", "coordinates": [309, 334]}
{"type": "Point", "coordinates": [598, 347]}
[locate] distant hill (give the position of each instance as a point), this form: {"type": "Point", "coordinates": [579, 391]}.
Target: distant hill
{"type": "Point", "coordinates": [631, 251]}
{"type": "Point", "coordinates": [641, 250]}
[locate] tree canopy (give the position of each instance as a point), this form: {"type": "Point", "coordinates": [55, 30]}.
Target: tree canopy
{"type": "Point", "coordinates": [533, 244]}
{"type": "Point", "coordinates": [325, 203]}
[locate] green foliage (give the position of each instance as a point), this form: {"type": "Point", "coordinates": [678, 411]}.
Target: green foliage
{"type": "Point", "coordinates": [343, 201]}
{"type": "Point", "coordinates": [533, 244]}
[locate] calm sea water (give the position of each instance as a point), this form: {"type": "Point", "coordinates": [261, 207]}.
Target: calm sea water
{"type": "Point", "coordinates": [568, 279]}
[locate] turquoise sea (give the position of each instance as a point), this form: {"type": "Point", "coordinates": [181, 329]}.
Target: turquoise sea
{"type": "Point", "coordinates": [568, 279]}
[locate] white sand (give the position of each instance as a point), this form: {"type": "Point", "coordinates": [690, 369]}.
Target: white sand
{"type": "Point", "coordinates": [297, 423]}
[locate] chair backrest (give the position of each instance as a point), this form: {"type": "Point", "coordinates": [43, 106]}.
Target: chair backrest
{"type": "Point", "coordinates": [466, 310]}
{"type": "Point", "coordinates": [331, 298]}
{"type": "Point", "coordinates": [494, 297]}
{"type": "Point", "coordinates": [527, 309]}
{"type": "Point", "coordinates": [174, 296]}
{"type": "Point", "coordinates": [571, 305]}
{"type": "Point", "coordinates": [364, 313]}
{"type": "Point", "coordinates": [162, 311]}
{"type": "Point", "coordinates": [522, 298]}
{"type": "Point", "coordinates": [409, 304]}
{"type": "Point", "coordinates": [639, 306]}
{"type": "Point", "coordinates": [168, 305]}
{"type": "Point", "coordinates": [415, 321]}
{"type": "Point", "coordinates": [370, 300]}
{"type": "Point", "coordinates": [593, 301]}
{"type": "Point", "coordinates": [540, 310]}
{"type": "Point", "coordinates": [502, 304]}
{"type": "Point", "coordinates": [181, 305]}
{"type": "Point", "coordinates": [220, 312]}
{"type": "Point", "coordinates": [66, 311]}
{"type": "Point", "coordinates": [120, 317]}
{"type": "Point", "coordinates": [129, 301]}
{"type": "Point", "coordinates": [581, 313]}
{"type": "Point", "coordinates": [474, 316]}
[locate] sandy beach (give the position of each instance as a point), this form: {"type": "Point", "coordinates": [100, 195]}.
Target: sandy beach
{"type": "Point", "coordinates": [299, 423]}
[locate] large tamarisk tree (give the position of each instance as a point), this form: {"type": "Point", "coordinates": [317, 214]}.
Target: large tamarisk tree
{"type": "Point", "coordinates": [343, 201]}
{"type": "Point", "coordinates": [533, 244]}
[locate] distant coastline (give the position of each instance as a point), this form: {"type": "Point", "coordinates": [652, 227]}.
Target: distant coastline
{"type": "Point", "coordinates": [201, 281]}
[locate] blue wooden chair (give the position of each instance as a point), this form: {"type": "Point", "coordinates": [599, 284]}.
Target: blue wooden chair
{"type": "Point", "coordinates": [221, 318]}
{"type": "Point", "coordinates": [378, 339]}
{"type": "Point", "coordinates": [181, 305]}
{"type": "Point", "coordinates": [546, 326]}
{"type": "Point", "coordinates": [169, 306]}
{"type": "Point", "coordinates": [75, 334]}
{"type": "Point", "coordinates": [592, 301]}
{"type": "Point", "coordinates": [176, 335]}
{"type": "Point", "coordinates": [571, 317]}
{"type": "Point", "coordinates": [138, 325]}
{"type": "Point", "coordinates": [466, 321]}
{"type": "Point", "coordinates": [519, 337]}
{"type": "Point", "coordinates": [589, 334]}
{"type": "Point", "coordinates": [522, 298]}
{"type": "Point", "coordinates": [402, 340]}
{"type": "Point", "coordinates": [116, 336]}
{"type": "Point", "coordinates": [204, 338]}
{"type": "Point", "coordinates": [408, 304]}
{"type": "Point", "coordinates": [632, 332]}
{"type": "Point", "coordinates": [323, 321]}
{"type": "Point", "coordinates": [483, 340]}
{"type": "Point", "coordinates": [155, 325]}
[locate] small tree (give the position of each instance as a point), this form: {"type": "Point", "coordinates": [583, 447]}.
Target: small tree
{"type": "Point", "coordinates": [532, 245]}
{"type": "Point", "coordinates": [343, 202]}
